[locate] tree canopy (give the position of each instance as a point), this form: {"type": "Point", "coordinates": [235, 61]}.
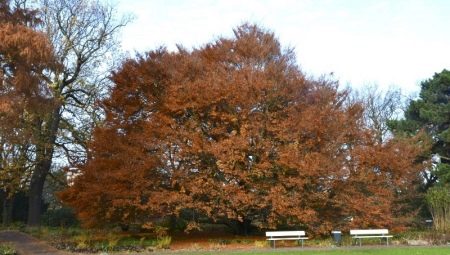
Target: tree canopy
{"type": "Point", "coordinates": [234, 130]}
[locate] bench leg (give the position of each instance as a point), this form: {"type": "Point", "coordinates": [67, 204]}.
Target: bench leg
{"type": "Point", "coordinates": [302, 243]}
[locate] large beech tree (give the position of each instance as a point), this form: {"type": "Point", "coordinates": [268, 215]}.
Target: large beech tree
{"type": "Point", "coordinates": [234, 130]}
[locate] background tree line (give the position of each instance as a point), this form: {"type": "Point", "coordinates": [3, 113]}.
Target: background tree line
{"type": "Point", "coordinates": [233, 131]}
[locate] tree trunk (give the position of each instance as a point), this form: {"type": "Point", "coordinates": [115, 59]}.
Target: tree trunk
{"type": "Point", "coordinates": [36, 191]}
{"type": "Point", "coordinates": [240, 227]}
{"type": "Point", "coordinates": [245, 227]}
{"type": "Point", "coordinates": [7, 210]}
{"type": "Point", "coordinates": [44, 156]}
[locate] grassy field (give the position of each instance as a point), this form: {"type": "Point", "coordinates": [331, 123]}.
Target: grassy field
{"type": "Point", "coordinates": [368, 251]}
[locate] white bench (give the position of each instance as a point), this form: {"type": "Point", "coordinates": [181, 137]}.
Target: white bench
{"type": "Point", "coordinates": [370, 233]}
{"type": "Point", "coordinates": [286, 235]}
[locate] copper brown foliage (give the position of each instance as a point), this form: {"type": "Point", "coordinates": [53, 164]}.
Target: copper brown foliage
{"type": "Point", "coordinates": [234, 130]}
{"type": "Point", "coordinates": [25, 55]}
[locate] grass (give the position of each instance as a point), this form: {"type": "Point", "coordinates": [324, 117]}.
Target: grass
{"type": "Point", "coordinates": [79, 240]}
{"type": "Point", "coordinates": [6, 249]}
{"type": "Point", "coordinates": [367, 251]}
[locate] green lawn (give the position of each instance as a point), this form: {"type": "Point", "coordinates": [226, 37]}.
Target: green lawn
{"type": "Point", "coordinates": [368, 251]}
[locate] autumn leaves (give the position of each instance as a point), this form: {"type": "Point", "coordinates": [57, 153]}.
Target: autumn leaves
{"type": "Point", "coordinates": [234, 131]}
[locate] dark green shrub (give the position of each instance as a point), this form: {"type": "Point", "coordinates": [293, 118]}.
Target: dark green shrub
{"type": "Point", "coordinates": [62, 217]}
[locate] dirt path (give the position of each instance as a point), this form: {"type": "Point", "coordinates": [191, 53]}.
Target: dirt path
{"type": "Point", "coordinates": [28, 245]}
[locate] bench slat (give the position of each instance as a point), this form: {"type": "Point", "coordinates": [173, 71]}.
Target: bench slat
{"type": "Point", "coordinates": [371, 236]}
{"type": "Point", "coordinates": [288, 238]}
{"type": "Point", "coordinates": [369, 231]}
{"type": "Point", "coordinates": [285, 233]}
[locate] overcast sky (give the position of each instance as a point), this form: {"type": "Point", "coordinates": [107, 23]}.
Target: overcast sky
{"type": "Point", "coordinates": [390, 43]}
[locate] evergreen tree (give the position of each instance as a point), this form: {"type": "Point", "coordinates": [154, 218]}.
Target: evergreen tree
{"type": "Point", "coordinates": [431, 113]}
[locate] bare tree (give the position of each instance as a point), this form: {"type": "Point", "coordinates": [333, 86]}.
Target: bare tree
{"type": "Point", "coordinates": [83, 35]}
{"type": "Point", "coordinates": [380, 107]}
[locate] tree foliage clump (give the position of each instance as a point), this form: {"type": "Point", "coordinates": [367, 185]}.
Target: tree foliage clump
{"type": "Point", "coordinates": [234, 130]}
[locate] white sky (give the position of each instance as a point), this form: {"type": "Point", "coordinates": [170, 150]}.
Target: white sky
{"type": "Point", "coordinates": [390, 43]}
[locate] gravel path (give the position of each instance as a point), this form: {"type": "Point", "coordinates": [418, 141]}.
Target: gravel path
{"type": "Point", "coordinates": [27, 245]}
